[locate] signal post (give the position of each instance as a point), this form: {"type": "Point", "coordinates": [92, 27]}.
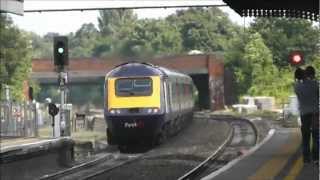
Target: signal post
{"type": "Point", "coordinates": [61, 60]}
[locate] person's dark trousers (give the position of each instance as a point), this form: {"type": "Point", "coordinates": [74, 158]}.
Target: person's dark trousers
{"type": "Point", "coordinates": [315, 136]}
{"type": "Point", "coordinates": [306, 121]}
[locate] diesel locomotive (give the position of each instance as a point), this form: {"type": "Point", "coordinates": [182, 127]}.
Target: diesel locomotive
{"type": "Point", "coordinates": [145, 103]}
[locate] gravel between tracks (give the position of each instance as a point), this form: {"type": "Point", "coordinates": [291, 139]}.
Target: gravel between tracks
{"type": "Point", "coordinates": [178, 155]}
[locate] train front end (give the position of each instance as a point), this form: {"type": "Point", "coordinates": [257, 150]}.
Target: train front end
{"type": "Point", "coordinates": [133, 108]}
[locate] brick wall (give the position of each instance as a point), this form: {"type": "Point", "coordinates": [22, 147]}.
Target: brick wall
{"type": "Point", "coordinates": [186, 63]}
{"type": "Point", "coordinates": [183, 63]}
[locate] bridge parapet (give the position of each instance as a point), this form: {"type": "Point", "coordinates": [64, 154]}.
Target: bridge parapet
{"type": "Point", "coordinates": [208, 69]}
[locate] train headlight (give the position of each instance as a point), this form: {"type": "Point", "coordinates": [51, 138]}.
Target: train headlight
{"type": "Point", "coordinates": [149, 111]}
{"type": "Point", "coordinates": [155, 110]}
{"type": "Point", "coordinates": [112, 111]}
{"type": "Point", "coordinates": [118, 111]}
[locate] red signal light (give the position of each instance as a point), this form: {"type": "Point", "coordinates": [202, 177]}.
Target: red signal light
{"type": "Point", "coordinates": [296, 58]}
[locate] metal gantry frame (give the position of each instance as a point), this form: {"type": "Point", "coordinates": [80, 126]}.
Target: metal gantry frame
{"type": "Point", "coordinates": [123, 8]}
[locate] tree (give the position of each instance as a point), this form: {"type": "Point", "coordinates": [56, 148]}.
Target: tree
{"type": "Point", "coordinates": [151, 38]}
{"type": "Point", "coordinates": [283, 35]}
{"type": "Point", "coordinates": [116, 22]}
{"type": "Point", "coordinates": [122, 34]}
{"type": "Point", "coordinates": [114, 27]}
{"type": "Point", "coordinates": [204, 29]}
{"type": "Point", "coordinates": [265, 79]}
{"type": "Point", "coordinates": [84, 41]}
{"type": "Point", "coordinates": [41, 47]}
{"type": "Point", "coordinates": [15, 57]}
{"type": "Point", "coordinates": [234, 61]}
{"type": "Point", "coordinates": [316, 65]}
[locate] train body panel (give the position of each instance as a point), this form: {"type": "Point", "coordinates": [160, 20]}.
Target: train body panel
{"type": "Point", "coordinates": [143, 101]}
{"type": "Point", "coordinates": [129, 130]}
{"type": "Point", "coordinates": [133, 101]}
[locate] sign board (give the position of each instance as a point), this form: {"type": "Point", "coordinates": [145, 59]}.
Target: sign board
{"type": "Point", "coordinates": [12, 6]}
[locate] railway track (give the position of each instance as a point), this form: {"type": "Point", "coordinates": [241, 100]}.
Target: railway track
{"type": "Point", "coordinates": [242, 136]}
{"type": "Point", "coordinates": [87, 170]}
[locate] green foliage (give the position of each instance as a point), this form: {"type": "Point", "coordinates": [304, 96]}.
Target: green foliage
{"type": "Point", "coordinates": [255, 73]}
{"type": "Point", "coordinates": [41, 46]}
{"type": "Point", "coordinates": [283, 35]}
{"type": "Point", "coordinates": [15, 57]}
{"type": "Point", "coordinates": [84, 41]}
{"type": "Point", "coordinates": [235, 62]}
{"type": "Point", "coordinates": [204, 29]}
{"type": "Point", "coordinates": [270, 73]}
{"type": "Point", "coordinates": [121, 33]}
{"type": "Point", "coordinates": [116, 23]}
{"type": "Point", "coordinates": [150, 38]}
{"type": "Point", "coordinates": [316, 64]}
{"type": "Point", "coordinates": [258, 56]}
{"type": "Point", "coordinates": [259, 60]}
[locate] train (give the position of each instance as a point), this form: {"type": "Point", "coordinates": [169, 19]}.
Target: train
{"type": "Point", "coordinates": [145, 104]}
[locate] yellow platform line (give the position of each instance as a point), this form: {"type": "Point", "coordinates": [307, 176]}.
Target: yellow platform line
{"type": "Point", "coordinates": [273, 167]}
{"type": "Point", "coordinates": [296, 169]}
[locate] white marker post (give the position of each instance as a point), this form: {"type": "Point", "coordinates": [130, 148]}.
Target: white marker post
{"type": "Point", "coordinates": [62, 82]}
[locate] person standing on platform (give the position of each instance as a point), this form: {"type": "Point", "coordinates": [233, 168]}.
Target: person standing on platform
{"type": "Point", "coordinates": [307, 91]}
{"type": "Point", "coordinates": [314, 89]}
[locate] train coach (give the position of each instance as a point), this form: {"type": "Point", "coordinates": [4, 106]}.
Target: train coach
{"type": "Point", "coordinates": [146, 103]}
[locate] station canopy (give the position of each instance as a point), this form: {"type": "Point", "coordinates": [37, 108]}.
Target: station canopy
{"type": "Point", "coordinates": [307, 9]}
{"type": "Point", "coordinates": [11, 6]}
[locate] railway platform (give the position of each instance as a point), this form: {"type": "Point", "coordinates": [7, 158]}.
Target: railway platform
{"type": "Point", "coordinates": [279, 156]}
{"type": "Point", "coordinates": [28, 158]}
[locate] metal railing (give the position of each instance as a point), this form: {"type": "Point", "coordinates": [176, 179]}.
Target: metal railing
{"type": "Point", "coordinates": [18, 119]}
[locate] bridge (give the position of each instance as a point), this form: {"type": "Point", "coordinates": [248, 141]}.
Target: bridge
{"type": "Point", "coordinates": [207, 72]}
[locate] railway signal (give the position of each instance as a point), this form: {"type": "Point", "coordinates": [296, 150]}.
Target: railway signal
{"type": "Point", "coordinates": [60, 52]}
{"type": "Point", "coordinates": [53, 111]}
{"type": "Point", "coordinates": [296, 58]}
{"type": "Point", "coordinates": [61, 59]}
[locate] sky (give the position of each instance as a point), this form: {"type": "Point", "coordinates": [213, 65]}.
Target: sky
{"type": "Point", "coordinates": [71, 21]}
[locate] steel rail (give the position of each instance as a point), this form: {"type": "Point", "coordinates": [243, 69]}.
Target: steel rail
{"type": "Point", "coordinates": [112, 168]}
{"type": "Point", "coordinates": [76, 168]}
{"type": "Point", "coordinates": [212, 157]}
{"type": "Point", "coordinates": [198, 169]}
{"type": "Point", "coordinates": [230, 117]}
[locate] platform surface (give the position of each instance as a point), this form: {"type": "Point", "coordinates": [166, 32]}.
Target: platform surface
{"type": "Point", "coordinates": [8, 144]}
{"type": "Point", "coordinates": [278, 158]}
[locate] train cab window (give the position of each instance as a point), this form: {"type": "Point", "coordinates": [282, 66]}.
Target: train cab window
{"type": "Point", "coordinates": [134, 87]}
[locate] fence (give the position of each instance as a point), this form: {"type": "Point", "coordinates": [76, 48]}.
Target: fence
{"type": "Point", "coordinates": [18, 119]}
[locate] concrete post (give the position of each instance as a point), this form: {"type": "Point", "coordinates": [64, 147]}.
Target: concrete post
{"type": "Point", "coordinates": [64, 120]}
